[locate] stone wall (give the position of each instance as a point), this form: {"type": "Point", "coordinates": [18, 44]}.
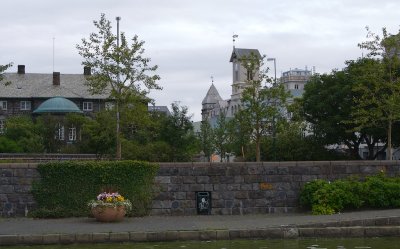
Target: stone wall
{"type": "Point", "coordinates": [235, 188]}
{"type": "Point", "coordinates": [15, 188]}
{"type": "Point", "coordinates": [250, 188]}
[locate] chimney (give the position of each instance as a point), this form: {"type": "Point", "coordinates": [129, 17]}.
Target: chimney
{"type": "Point", "coordinates": [21, 69]}
{"type": "Point", "coordinates": [56, 78]}
{"type": "Point", "coordinates": [87, 70]}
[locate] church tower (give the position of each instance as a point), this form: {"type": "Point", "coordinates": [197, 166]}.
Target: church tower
{"type": "Point", "coordinates": [210, 102]}
{"type": "Point", "coordinates": [239, 72]}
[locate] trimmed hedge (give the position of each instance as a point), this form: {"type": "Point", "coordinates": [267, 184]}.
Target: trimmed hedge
{"type": "Point", "coordinates": [65, 188]}
{"type": "Point", "coordinates": [324, 197]}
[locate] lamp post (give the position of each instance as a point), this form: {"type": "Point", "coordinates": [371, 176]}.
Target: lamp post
{"type": "Point", "coordinates": [273, 59]}
{"type": "Point", "coordinates": [273, 117]}
{"type": "Point", "coordinates": [119, 149]}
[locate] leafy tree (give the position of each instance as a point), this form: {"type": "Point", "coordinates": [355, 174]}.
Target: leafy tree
{"type": "Point", "coordinates": [24, 133]}
{"type": "Point", "coordinates": [379, 86]}
{"type": "Point", "coordinates": [239, 131]}
{"type": "Point", "coordinates": [221, 137]}
{"type": "Point", "coordinates": [206, 139]}
{"type": "Point", "coordinates": [326, 102]}
{"type": "Point", "coordinates": [98, 135]}
{"type": "Point", "coordinates": [177, 132]}
{"type": "Point", "coordinates": [9, 146]}
{"type": "Point", "coordinates": [118, 69]}
{"type": "Point", "coordinates": [260, 105]}
{"type": "Point", "coordinates": [2, 69]}
{"type": "Point", "coordinates": [49, 126]}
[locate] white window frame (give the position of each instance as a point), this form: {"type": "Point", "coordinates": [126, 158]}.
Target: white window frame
{"type": "Point", "coordinates": [87, 106]}
{"type": "Point", "coordinates": [3, 105]}
{"type": "Point", "coordinates": [25, 105]}
{"type": "Point", "coordinates": [72, 134]}
{"type": "Point", "coordinates": [60, 132]}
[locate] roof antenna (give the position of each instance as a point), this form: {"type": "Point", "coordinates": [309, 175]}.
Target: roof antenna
{"type": "Point", "coordinates": [53, 51]}
{"type": "Point", "coordinates": [234, 36]}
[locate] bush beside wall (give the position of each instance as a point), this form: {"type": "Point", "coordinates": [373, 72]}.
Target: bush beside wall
{"type": "Point", "coordinates": [65, 187]}
{"type": "Point", "coordinates": [324, 197]}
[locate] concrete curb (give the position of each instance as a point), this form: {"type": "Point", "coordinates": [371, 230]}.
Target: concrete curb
{"type": "Point", "coordinates": [283, 232]}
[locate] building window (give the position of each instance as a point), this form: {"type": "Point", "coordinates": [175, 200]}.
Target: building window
{"type": "Point", "coordinates": [296, 86]}
{"type": "Point", "coordinates": [72, 134]}
{"type": "Point", "coordinates": [3, 105]}
{"type": "Point", "coordinates": [25, 105]}
{"type": "Point", "coordinates": [88, 106]}
{"type": "Point", "coordinates": [2, 123]}
{"type": "Point", "coordinates": [60, 132]}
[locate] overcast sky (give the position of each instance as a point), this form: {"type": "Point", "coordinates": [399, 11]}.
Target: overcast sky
{"type": "Point", "coordinates": [192, 40]}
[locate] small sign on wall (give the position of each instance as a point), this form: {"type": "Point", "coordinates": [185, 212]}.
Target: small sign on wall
{"type": "Point", "coordinates": [266, 186]}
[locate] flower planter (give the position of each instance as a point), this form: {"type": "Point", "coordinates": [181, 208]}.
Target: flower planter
{"type": "Point", "coordinates": [109, 214]}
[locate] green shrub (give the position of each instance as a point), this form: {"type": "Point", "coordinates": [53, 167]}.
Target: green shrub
{"type": "Point", "coordinates": [65, 187]}
{"type": "Point", "coordinates": [307, 193]}
{"type": "Point", "coordinates": [325, 197]}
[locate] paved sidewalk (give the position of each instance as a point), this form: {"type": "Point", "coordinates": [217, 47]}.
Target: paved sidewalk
{"type": "Point", "coordinates": [17, 229]}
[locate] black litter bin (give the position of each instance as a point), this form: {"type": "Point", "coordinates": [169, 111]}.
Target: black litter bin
{"type": "Point", "coordinates": [203, 202]}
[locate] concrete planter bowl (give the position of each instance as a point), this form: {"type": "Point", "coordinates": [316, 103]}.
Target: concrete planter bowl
{"type": "Point", "coordinates": [109, 214]}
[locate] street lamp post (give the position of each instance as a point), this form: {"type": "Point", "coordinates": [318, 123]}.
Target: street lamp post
{"type": "Point", "coordinates": [273, 59]}
{"type": "Point", "coordinates": [273, 117]}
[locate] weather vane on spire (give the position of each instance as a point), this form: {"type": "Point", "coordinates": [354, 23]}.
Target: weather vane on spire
{"type": "Point", "coordinates": [234, 36]}
{"type": "Point", "coordinates": [212, 79]}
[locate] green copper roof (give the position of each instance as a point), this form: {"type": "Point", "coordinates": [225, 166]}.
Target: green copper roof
{"type": "Point", "coordinates": [58, 105]}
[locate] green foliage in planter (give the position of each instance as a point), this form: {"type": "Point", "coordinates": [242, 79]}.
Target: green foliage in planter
{"type": "Point", "coordinates": [65, 187]}
{"type": "Point", "coordinates": [325, 197]}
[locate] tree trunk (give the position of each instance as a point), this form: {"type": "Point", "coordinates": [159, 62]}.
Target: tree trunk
{"type": "Point", "coordinates": [118, 140]}
{"type": "Point", "coordinates": [389, 141]}
{"type": "Point", "coordinates": [258, 149]}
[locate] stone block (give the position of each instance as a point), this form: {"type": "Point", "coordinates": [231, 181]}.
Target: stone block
{"type": "Point", "coordinates": [233, 187]}
{"type": "Point", "coordinates": [31, 239]}
{"type": "Point", "coordinates": [67, 238]}
{"type": "Point", "coordinates": [234, 234]}
{"type": "Point", "coordinates": [208, 187]}
{"type": "Point", "coordinates": [138, 236]}
{"type": "Point", "coordinates": [189, 179]}
{"type": "Point", "coordinates": [226, 179]}
{"type": "Point", "coordinates": [329, 232]}
{"type": "Point", "coordinates": [290, 232]}
{"type": "Point", "coordinates": [208, 235]}
{"type": "Point", "coordinates": [176, 179]}
{"type": "Point", "coordinates": [156, 236]}
{"type": "Point", "coordinates": [307, 232]}
{"type": "Point", "coordinates": [188, 235]}
{"type": "Point", "coordinates": [196, 187]}
{"type": "Point", "coordinates": [283, 170]}
{"type": "Point", "coordinates": [220, 187]}
{"type": "Point", "coordinates": [179, 195]}
{"type": "Point", "coordinates": [119, 237]}
{"type": "Point", "coordinates": [6, 189]}
{"type": "Point", "coordinates": [222, 235]}
{"type": "Point", "coordinates": [83, 238]}
{"type": "Point", "coordinates": [203, 179]}
{"type": "Point", "coordinates": [272, 233]}
{"type": "Point", "coordinates": [171, 235]}
{"type": "Point", "coordinates": [9, 240]}
{"type": "Point", "coordinates": [241, 195]}
{"type": "Point", "coordinates": [199, 171]}
{"type": "Point", "coordinates": [353, 232]}
{"type": "Point", "coordinates": [51, 239]}
{"type": "Point", "coordinates": [381, 231]}
{"type": "Point", "coordinates": [100, 237]}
